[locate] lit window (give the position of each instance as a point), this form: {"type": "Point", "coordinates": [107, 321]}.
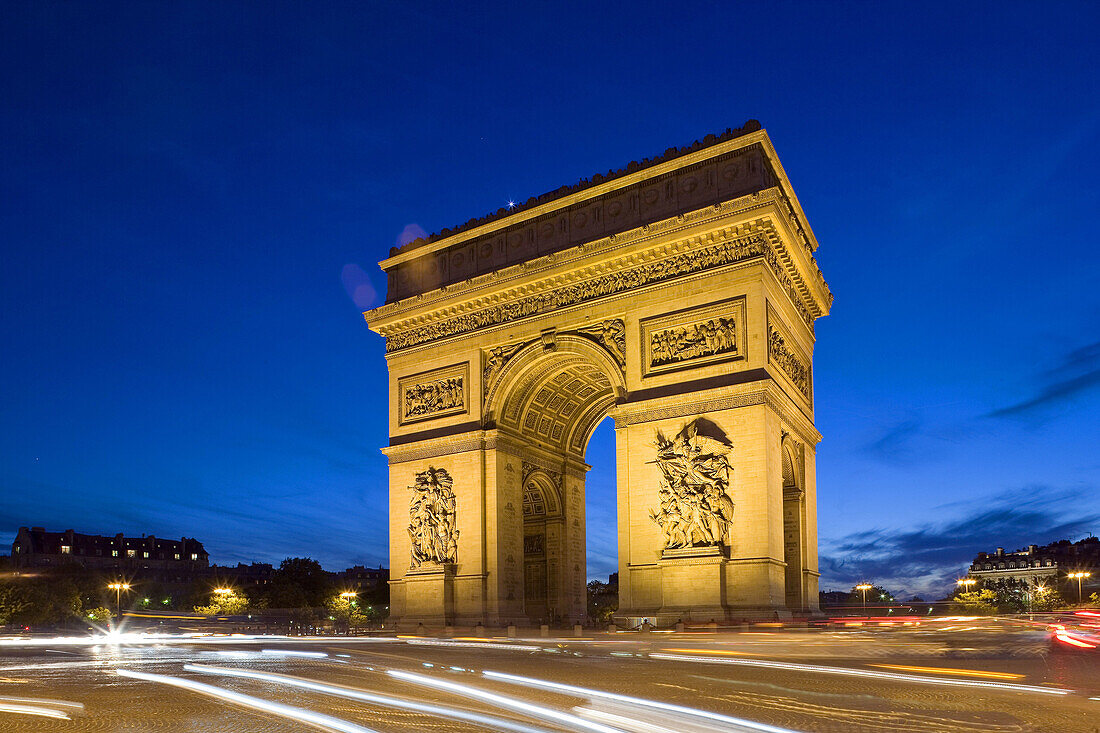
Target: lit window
{"type": "Point", "coordinates": [131, 553]}
{"type": "Point", "coordinates": [66, 550]}
{"type": "Point", "coordinates": [177, 556]}
{"type": "Point", "coordinates": [194, 556]}
{"type": "Point", "coordinates": [114, 553]}
{"type": "Point", "coordinates": [145, 555]}
{"type": "Point", "coordinates": [17, 549]}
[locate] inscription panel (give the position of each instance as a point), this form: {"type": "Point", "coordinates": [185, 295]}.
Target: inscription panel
{"type": "Point", "coordinates": [434, 394]}
{"type": "Point", "coordinates": [694, 337]}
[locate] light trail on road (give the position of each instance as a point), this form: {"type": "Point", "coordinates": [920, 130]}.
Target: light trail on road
{"type": "Point", "coordinates": [587, 692]}
{"type": "Point", "coordinates": [352, 693]}
{"type": "Point", "coordinates": [320, 720]}
{"type": "Point", "coordinates": [536, 711]}
{"type": "Point", "coordinates": [958, 672]}
{"type": "Point", "coordinates": [792, 666]}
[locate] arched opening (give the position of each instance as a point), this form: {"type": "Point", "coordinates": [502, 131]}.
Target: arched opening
{"type": "Point", "coordinates": [602, 510]}
{"type": "Point", "coordinates": [548, 402]}
{"type": "Point", "coordinates": [793, 521]}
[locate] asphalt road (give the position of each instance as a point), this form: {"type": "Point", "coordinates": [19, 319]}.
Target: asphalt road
{"type": "Point", "coordinates": [956, 677]}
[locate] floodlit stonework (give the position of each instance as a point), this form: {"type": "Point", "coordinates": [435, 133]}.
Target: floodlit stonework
{"type": "Point", "coordinates": [677, 296]}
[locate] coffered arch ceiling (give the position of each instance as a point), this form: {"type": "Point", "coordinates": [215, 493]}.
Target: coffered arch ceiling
{"type": "Point", "coordinates": [557, 397]}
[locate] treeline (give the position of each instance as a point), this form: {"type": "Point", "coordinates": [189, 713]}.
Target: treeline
{"type": "Point", "coordinates": [71, 595]}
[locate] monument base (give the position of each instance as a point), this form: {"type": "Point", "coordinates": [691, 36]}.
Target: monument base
{"type": "Point", "coordinates": [429, 595]}
{"type": "Point", "coordinates": [698, 585]}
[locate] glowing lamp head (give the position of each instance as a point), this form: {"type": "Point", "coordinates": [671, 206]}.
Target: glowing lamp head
{"type": "Point", "coordinates": [348, 594]}
{"type": "Point", "coordinates": [863, 586]}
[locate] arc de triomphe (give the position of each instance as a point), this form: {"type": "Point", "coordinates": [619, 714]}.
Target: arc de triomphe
{"type": "Point", "coordinates": [678, 296]}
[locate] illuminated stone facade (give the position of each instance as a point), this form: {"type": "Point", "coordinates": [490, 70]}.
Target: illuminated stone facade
{"type": "Point", "coordinates": [677, 296]}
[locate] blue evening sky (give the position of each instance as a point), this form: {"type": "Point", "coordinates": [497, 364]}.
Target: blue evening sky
{"type": "Point", "coordinates": [191, 193]}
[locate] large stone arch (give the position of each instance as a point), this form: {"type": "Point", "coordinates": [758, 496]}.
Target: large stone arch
{"type": "Point", "coordinates": [677, 296]}
{"type": "Point", "coordinates": [556, 393]}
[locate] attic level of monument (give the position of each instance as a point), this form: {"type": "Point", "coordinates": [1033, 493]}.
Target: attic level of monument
{"type": "Point", "coordinates": [697, 177]}
{"type": "Point", "coordinates": [635, 165]}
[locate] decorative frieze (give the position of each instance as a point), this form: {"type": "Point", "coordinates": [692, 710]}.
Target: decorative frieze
{"type": "Point", "coordinates": [433, 531]}
{"type": "Point", "coordinates": [724, 253]}
{"type": "Point", "coordinates": [694, 337]}
{"type": "Point", "coordinates": [433, 394]}
{"type": "Point", "coordinates": [783, 354]}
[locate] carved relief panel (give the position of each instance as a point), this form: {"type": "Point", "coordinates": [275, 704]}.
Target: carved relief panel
{"type": "Point", "coordinates": [694, 337]}
{"type": "Point", "coordinates": [433, 530]}
{"type": "Point", "coordinates": [433, 394]}
{"type": "Point", "coordinates": [785, 354]}
{"type": "Point", "coordinates": [694, 474]}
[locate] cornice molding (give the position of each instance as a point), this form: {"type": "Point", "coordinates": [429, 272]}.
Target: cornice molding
{"type": "Point", "coordinates": [704, 401]}
{"type": "Point", "coordinates": [630, 273]}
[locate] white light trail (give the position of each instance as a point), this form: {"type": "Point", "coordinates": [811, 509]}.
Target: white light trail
{"type": "Point", "coordinates": [587, 692]}
{"type": "Point", "coordinates": [474, 644]}
{"type": "Point", "coordinates": [622, 721]}
{"type": "Point", "coordinates": [320, 720]}
{"type": "Point", "coordinates": [352, 693]}
{"type": "Point", "coordinates": [294, 653]}
{"type": "Point", "coordinates": [893, 676]}
{"type": "Point", "coordinates": [9, 707]}
{"type": "Point", "coordinates": [37, 701]}
{"type": "Point", "coordinates": [535, 711]}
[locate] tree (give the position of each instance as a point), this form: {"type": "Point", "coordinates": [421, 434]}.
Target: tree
{"type": "Point", "coordinates": [346, 612]}
{"type": "Point", "coordinates": [1094, 599]}
{"type": "Point", "coordinates": [299, 583]}
{"type": "Point", "coordinates": [976, 602]}
{"type": "Point", "coordinates": [224, 604]}
{"type": "Point", "coordinates": [12, 603]}
{"type": "Point", "coordinates": [100, 615]}
{"type": "Point", "coordinates": [603, 601]}
{"type": "Point", "coordinates": [1046, 599]}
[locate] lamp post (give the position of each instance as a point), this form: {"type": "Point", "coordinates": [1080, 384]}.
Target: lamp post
{"type": "Point", "coordinates": [864, 587]}
{"type": "Point", "coordinates": [1079, 577]}
{"type": "Point", "coordinates": [118, 587]}
{"type": "Point", "coordinates": [966, 582]}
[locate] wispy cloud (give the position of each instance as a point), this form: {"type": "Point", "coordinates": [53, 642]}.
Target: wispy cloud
{"type": "Point", "coordinates": [895, 443]}
{"type": "Point", "coordinates": [926, 559]}
{"type": "Point", "coordinates": [1079, 371]}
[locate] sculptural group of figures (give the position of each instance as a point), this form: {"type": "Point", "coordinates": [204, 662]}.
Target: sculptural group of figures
{"type": "Point", "coordinates": [716, 336]}
{"type": "Point", "coordinates": [432, 528]}
{"type": "Point", "coordinates": [695, 509]}
{"type": "Point", "coordinates": [432, 397]}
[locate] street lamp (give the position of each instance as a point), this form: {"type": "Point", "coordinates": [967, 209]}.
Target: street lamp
{"type": "Point", "coordinates": [224, 591]}
{"type": "Point", "coordinates": [1079, 577]}
{"type": "Point", "coordinates": [349, 594]}
{"type": "Point", "coordinates": [966, 582]}
{"type": "Point", "coordinates": [864, 587]}
{"type": "Point", "coordinates": [118, 587]}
